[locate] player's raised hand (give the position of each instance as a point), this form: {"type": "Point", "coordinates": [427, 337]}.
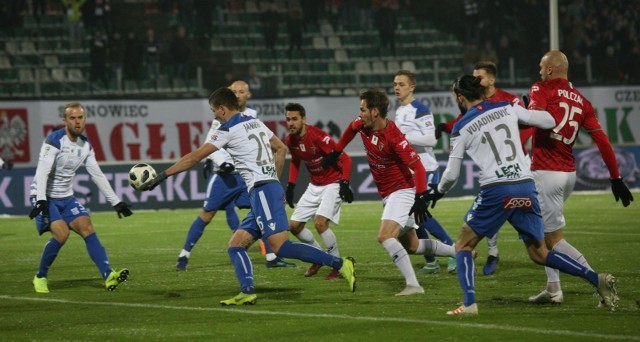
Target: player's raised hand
{"type": "Point", "coordinates": [329, 159]}
{"type": "Point", "coordinates": [122, 209]}
{"type": "Point", "coordinates": [346, 194]}
{"type": "Point", "coordinates": [621, 191]}
{"type": "Point", "coordinates": [153, 182]}
{"type": "Point", "coordinates": [433, 196]}
{"type": "Point", "coordinates": [441, 127]}
{"type": "Point", "coordinates": [289, 194]}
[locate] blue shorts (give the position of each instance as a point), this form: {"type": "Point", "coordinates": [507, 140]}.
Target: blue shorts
{"type": "Point", "coordinates": [267, 215]}
{"type": "Point", "coordinates": [67, 209]}
{"type": "Point", "coordinates": [224, 190]}
{"type": "Point", "coordinates": [516, 203]}
{"type": "Point", "coordinates": [433, 177]}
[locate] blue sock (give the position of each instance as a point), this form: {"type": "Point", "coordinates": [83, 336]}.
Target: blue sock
{"type": "Point", "coordinates": [194, 234]}
{"type": "Point", "coordinates": [267, 248]}
{"type": "Point", "coordinates": [49, 254]}
{"type": "Point", "coordinates": [243, 267]}
{"type": "Point", "coordinates": [567, 264]}
{"type": "Point", "coordinates": [435, 228]}
{"type": "Point", "coordinates": [423, 234]}
{"type": "Point", "coordinates": [232, 217]}
{"type": "Point", "coordinates": [308, 253]}
{"type": "Point", "coordinates": [465, 266]}
{"type": "Point", "coordinates": [98, 254]}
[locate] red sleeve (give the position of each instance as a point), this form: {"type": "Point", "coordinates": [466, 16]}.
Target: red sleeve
{"type": "Point", "coordinates": [348, 135]}
{"type": "Point", "coordinates": [419, 176]}
{"type": "Point", "coordinates": [449, 124]}
{"type": "Point", "coordinates": [294, 166]}
{"type": "Point", "coordinates": [525, 133]}
{"type": "Point", "coordinates": [345, 160]}
{"type": "Point", "coordinates": [606, 151]}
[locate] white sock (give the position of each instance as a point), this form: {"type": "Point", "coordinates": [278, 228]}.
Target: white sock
{"type": "Point", "coordinates": [271, 256]}
{"type": "Point", "coordinates": [564, 247]}
{"type": "Point", "coordinates": [306, 236]}
{"type": "Point", "coordinates": [492, 243]}
{"type": "Point", "coordinates": [184, 253]}
{"type": "Point", "coordinates": [430, 247]}
{"type": "Point", "coordinates": [400, 257]}
{"type": "Point", "coordinates": [330, 242]}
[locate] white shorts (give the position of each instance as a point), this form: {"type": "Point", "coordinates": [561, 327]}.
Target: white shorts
{"type": "Point", "coordinates": [397, 207]}
{"type": "Point", "coordinates": [321, 200]}
{"type": "Point", "coordinates": [554, 187]}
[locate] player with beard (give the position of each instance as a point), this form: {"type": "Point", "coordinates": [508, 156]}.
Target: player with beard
{"type": "Point", "coordinates": [323, 197]}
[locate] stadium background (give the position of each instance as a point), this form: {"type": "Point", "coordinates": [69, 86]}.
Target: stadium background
{"type": "Point", "coordinates": [140, 113]}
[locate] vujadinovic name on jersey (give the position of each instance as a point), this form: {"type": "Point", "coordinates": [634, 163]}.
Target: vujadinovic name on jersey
{"type": "Point", "coordinates": [486, 119]}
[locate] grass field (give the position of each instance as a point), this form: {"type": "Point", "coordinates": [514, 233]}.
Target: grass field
{"type": "Point", "coordinates": [158, 303]}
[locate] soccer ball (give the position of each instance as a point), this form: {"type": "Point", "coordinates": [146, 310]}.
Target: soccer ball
{"type": "Point", "coordinates": [139, 174]}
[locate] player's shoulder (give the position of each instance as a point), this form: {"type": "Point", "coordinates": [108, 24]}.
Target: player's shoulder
{"type": "Point", "coordinates": [248, 110]}
{"type": "Point", "coordinates": [238, 119]}
{"type": "Point", "coordinates": [421, 109]}
{"type": "Point", "coordinates": [54, 138]}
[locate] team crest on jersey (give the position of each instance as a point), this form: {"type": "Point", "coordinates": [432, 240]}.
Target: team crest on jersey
{"type": "Point", "coordinates": [213, 137]}
{"type": "Point", "coordinates": [313, 150]}
{"type": "Point", "coordinates": [517, 202]}
{"type": "Point", "coordinates": [302, 148]}
{"type": "Point", "coordinates": [535, 88]}
{"type": "Point", "coordinates": [381, 146]}
{"type": "Point", "coordinates": [374, 139]}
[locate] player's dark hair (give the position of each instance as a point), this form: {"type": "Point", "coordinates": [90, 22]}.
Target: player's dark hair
{"type": "Point", "coordinates": [469, 87]}
{"type": "Point", "coordinates": [376, 98]}
{"type": "Point", "coordinates": [224, 97]}
{"type": "Point", "coordinates": [487, 66]}
{"type": "Point", "coordinates": [411, 76]}
{"type": "Point", "coordinates": [295, 107]}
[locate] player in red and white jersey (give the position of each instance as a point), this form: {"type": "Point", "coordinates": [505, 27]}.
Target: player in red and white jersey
{"type": "Point", "coordinates": [328, 188]}
{"type": "Point", "coordinates": [553, 164]}
{"type": "Point", "coordinates": [391, 161]}
{"type": "Point", "coordinates": [488, 72]}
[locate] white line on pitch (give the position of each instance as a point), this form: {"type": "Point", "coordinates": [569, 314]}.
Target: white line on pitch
{"type": "Point", "coordinates": [334, 316]}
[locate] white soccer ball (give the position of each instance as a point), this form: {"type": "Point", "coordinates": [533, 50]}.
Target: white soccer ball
{"type": "Point", "coordinates": [139, 174]}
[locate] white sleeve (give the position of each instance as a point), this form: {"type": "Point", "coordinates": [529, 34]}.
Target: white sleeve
{"type": "Point", "coordinates": [100, 180]}
{"type": "Point", "coordinates": [450, 175]}
{"type": "Point", "coordinates": [426, 140]}
{"type": "Point", "coordinates": [47, 158]}
{"type": "Point", "coordinates": [538, 118]}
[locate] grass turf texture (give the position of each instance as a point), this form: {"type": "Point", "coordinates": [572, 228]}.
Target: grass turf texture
{"type": "Point", "coordinates": [158, 303]}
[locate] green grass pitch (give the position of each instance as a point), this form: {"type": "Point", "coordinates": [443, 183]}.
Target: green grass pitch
{"type": "Point", "coordinates": [159, 304]}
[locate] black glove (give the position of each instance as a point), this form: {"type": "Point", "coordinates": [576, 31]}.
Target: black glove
{"type": "Point", "coordinates": [441, 127]}
{"type": "Point", "coordinates": [7, 165]}
{"type": "Point", "coordinates": [345, 191]}
{"type": "Point", "coordinates": [289, 194]}
{"type": "Point", "coordinates": [152, 183]}
{"type": "Point", "coordinates": [227, 168]}
{"type": "Point", "coordinates": [122, 209]}
{"type": "Point", "coordinates": [420, 208]}
{"type": "Point", "coordinates": [329, 159]}
{"type": "Point", "coordinates": [433, 196]}
{"type": "Point", "coordinates": [525, 101]}
{"type": "Point", "coordinates": [42, 206]}
{"type": "Point", "coordinates": [621, 192]}
{"type": "Point", "coordinates": [207, 170]}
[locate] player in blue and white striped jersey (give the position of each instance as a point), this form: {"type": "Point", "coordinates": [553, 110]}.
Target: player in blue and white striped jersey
{"type": "Point", "coordinates": [54, 207]}
{"type": "Point", "coordinates": [489, 134]}
{"type": "Point", "coordinates": [259, 158]}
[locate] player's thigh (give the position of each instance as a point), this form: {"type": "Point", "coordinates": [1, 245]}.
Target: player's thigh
{"type": "Point", "coordinates": [396, 209]}
{"type": "Point", "coordinates": [553, 189]}
{"type": "Point", "coordinates": [267, 207]}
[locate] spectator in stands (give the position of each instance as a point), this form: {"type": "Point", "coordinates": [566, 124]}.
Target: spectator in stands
{"type": "Point", "coordinates": [204, 17]}
{"type": "Point", "coordinates": [73, 9]}
{"type": "Point", "coordinates": [98, 55]}
{"type": "Point", "coordinates": [612, 70]}
{"type": "Point", "coordinates": [254, 81]}
{"type": "Point", "coordinates": [488, 52]}
{"type": "Point", "coordinates": [39, 8]}
{"type": "Point", "coordinates": [102, 15]}
{"type": "Point", "coordinates": [133, 54]}
{"type": "Point", "coordinates": [116, 54]}
{"type": "Point", "coordinates": [295, 27]}
{"type": "Point", "coordinates": [270, 21]}
{"type": "Point", "coordinates": [152, 54]}
{"type": "Point", "coordinates": [180, 51]}
{"type": "Point", "coordinates": [385, 22]}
